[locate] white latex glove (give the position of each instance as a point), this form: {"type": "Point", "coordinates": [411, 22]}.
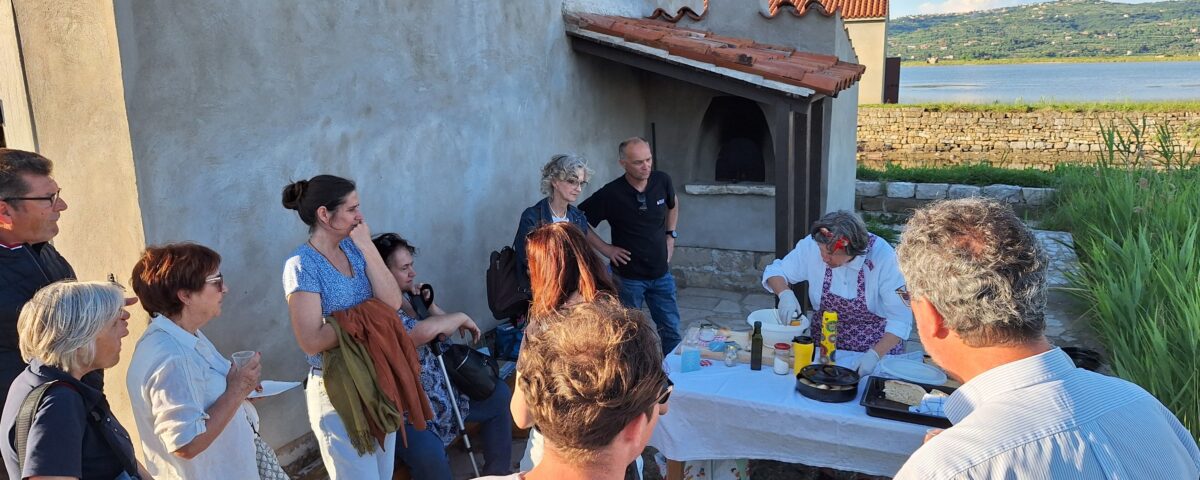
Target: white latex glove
{"type": "Point", "coordinates": [867, 362]}
{"type": "Point", "coordinates": [789, 306]}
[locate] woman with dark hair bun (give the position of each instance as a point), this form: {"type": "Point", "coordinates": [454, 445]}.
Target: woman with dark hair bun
{"type": "Point", "coordinates": [336, 269]}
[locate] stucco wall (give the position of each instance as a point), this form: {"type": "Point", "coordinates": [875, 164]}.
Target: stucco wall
{"type": "Point", "coordinates": [18, 126]}
{"type": "Point", "coordinates": [442, 112]}
{"type": "Point", "coordinates": [74, 72]}
{"type": "Point", "coordinates": [814, 33]}
{"type": "Point", "coordinates": [870, 43]}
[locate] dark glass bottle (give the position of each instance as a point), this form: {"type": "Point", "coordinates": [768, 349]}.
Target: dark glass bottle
{"type": "Point", "coordinates": [756, 346]}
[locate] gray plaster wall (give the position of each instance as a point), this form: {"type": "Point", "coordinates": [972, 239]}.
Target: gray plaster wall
{"type": "Point", "coordinates": [677, 110]}
{"type": "Point", "coordinates": [443, 113]}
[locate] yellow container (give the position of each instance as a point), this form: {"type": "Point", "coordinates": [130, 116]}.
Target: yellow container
{"type": "Point", "coordinates": [829, 324]}
{"type": "Point", "coordinates": [802, 353]}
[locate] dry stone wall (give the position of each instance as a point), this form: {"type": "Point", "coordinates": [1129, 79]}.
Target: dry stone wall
{"type": "Point", "coordinates": [1041, 139]}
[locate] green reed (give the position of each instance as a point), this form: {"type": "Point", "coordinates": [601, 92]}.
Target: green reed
{"type": "Point", "coordinates": [1135, 217]}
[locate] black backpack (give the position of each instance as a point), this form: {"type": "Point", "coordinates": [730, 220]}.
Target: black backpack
{"type": "Point", "coordinates": [508, 296]}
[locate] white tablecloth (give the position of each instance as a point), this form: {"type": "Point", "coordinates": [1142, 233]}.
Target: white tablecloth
{"type": "Point", "coordinates": [721, 412]}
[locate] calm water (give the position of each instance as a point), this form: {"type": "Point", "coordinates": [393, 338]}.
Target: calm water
{"type": "Point", "coordinates": [1062, 82]}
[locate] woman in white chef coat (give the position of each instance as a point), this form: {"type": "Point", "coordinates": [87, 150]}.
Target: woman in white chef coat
{"type": "Point", "coordinates": [858, 278]}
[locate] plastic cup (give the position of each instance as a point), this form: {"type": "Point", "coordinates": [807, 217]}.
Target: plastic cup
{"type": "Point", "coordinates": [240, 359]}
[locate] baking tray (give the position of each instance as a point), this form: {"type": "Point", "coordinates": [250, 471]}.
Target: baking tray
{"type": "Point", "coordinates": [880, 407]}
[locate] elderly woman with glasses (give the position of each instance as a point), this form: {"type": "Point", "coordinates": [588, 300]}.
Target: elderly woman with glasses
{"type": "Point", "coordinates": [425, 454]}
{"type": "Point", "coordinates": [563, 179]}
{"type": "Point", "coordinates": [189, 401]}
{"type": "Point", "coordinates": [859, 279]}
{"type": "Point", "coordinates": [68, 329]}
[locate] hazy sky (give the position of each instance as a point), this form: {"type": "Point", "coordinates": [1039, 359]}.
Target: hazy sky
{"type": "Point", "coordinates": [900, 8]}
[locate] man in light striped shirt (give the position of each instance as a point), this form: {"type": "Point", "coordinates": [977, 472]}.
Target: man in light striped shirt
{"type": "Point", "coordinates": [976, 279]}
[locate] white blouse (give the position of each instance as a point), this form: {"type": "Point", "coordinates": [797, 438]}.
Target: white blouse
{"type": "Point", "coordinates": [173, 378]}
{"type": "Point", "coordinates": [804, 263]}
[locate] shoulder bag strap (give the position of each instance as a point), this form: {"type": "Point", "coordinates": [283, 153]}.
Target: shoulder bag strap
{"type": "Point", "coordinates": [25, 420]}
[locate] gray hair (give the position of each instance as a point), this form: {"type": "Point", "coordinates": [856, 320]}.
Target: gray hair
{"type": "Point", "coordinates": [563, 166]}
{"type": "Point", "coordinates": [627, 142]}
{"type": "Point", "coordinates": [980, 266]}
{"type": "Point", "coordinates": [59, 325]}
{"type": "Point", "coordinates": [842, 224]}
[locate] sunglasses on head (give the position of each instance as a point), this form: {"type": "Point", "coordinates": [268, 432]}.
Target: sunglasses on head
{"type": "Point", "coordinates": [666, 392]}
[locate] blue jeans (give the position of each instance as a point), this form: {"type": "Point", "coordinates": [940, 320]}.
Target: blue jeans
{"type": "Point", "coordinates": [659, 295]}
{"type": "Point", "coordinates": [426, 456]}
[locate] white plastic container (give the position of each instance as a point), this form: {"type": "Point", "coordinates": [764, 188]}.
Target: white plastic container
{"type": "Point", "coordinates": [772, 331]}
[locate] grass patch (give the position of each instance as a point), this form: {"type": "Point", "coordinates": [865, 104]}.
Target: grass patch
{"type": "Point", "coordinates": [1136, 228]}
{"type": "Point", "coordinates": [981, 174]}
{"type": "Point", "coordinates": [1072, 107]}
{"type": "Point", "coordinates": [1027, 60]}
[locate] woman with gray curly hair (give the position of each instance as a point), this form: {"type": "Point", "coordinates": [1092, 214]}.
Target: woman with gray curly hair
{"type": "Point", "coordinates": [563, 179]}
{"type": "Point", "coordinates": [67, 330]}
{"type": "Point", "coordinates": [859, 279]}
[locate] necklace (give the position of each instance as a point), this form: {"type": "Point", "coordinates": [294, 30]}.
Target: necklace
{"type": "Point", "coordinates": [326, 257]}
{"type": "Point", "coordinates": [564, 214]}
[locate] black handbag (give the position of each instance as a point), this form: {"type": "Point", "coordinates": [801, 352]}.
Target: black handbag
{"type": "Point", "coordinates": [473, 373]}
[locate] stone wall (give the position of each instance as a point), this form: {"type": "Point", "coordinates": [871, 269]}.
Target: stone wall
{"type": "Point", "coordinates": [721, 269]}
{"type": "Point", "coordinates": [1040, 139]}
{"type": "Point", "coordinates": [903, 197]}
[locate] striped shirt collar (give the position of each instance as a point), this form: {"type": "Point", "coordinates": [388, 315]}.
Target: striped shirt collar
{"type": "Point", "coordinates": [12, 247]}
{"type": "Point", "coordinates": [1006, 378]}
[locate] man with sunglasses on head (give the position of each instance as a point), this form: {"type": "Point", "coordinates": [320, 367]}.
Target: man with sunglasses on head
{"type": "Point", "coordinates": [29, 209]}
{"type": "Point", "coordinates": [642, 210]}
{"type": "Point", "coordinates": [593, 380]}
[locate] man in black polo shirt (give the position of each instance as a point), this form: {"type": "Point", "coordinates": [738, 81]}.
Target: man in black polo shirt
{"type": "Point", "coordinates": [641, 208]}
{"type": "Point", "coordinates": [29, 209]}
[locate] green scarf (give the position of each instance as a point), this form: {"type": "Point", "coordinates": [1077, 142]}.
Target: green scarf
{"type": "Point", "coordinates": [350, 383]}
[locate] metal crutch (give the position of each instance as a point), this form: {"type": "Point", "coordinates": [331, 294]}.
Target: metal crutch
{"type": "Point", "coordinates": [436, 347]}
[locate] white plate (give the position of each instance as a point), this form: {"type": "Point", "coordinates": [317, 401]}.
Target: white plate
{"type": "Point", "coordinates": [912, 371]}
{"type": "Point", "coordinates": [273, 387]}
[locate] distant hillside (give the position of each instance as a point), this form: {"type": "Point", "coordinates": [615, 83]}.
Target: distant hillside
{"type": "Point", "coordinates": [1061, 29]}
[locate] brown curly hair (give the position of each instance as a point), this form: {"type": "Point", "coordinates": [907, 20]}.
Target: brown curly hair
{"type": "Point", "coordinates": [586, 372]}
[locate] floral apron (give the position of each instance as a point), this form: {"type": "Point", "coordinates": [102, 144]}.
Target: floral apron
{"type": "Point", "coordinates": [858, 329]}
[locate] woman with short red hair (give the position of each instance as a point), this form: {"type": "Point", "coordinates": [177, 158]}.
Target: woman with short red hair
{"type": "Point", "coordinates": [189, 402]}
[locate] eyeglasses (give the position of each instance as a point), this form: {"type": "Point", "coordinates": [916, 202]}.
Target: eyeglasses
{"type": "Point", "coordinates": [53, 199]}
{"type": "Point", "coordinates": [575, 182]}
{"type": "Point", "coordinates": [218, 280]}
{"type": "Point", "coordinates": [904, 296]}
{"type": "Point", "coordinates": [641, 198]}
{"type": "Point", "coordinates": [666, 393]}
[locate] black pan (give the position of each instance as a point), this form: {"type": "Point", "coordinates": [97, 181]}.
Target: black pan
{"type": "Point", "coordinates": [827, 383]}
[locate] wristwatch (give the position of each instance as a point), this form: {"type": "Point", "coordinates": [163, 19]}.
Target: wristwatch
{"type": "Point", "coordinates": [672, 234]}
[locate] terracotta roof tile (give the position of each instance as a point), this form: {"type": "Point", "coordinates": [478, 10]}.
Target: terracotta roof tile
{"type": "Point", "coordinates": [851, 9]}
{"type": "Point", "coordinates": [824, 74]}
